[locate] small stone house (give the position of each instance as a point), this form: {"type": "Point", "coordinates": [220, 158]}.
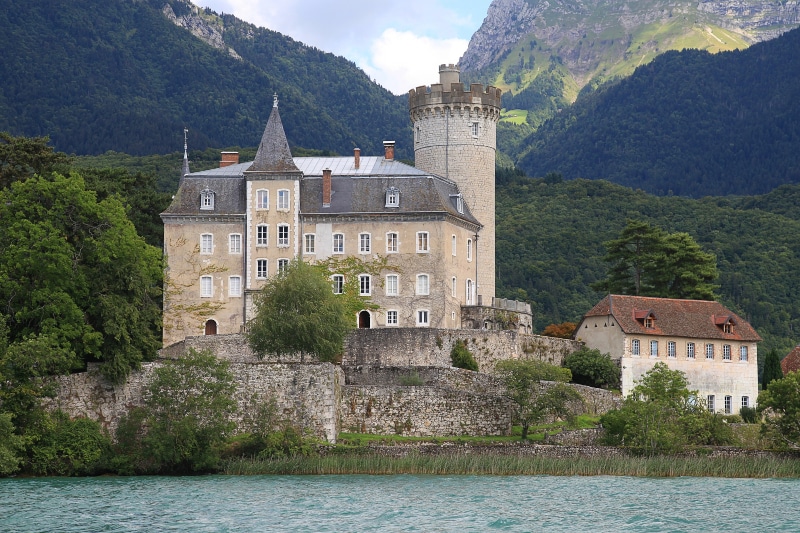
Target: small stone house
{"type": "Point", "coordinates": [714, 347]}
{"type": "Point", "coordinates": [791, 363]}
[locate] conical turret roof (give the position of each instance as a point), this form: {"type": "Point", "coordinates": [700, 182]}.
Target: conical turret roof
{"type": "Point", "coordinates": [273, 153]}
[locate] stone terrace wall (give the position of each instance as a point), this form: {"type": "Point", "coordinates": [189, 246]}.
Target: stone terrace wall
{"type": "Point", "coordinates": [308, 395]}
{"type": "Point", "coordinates": [233, 348]}
{"type": "Point", "coordinates": [431, 347]}
{"type": "Point", "coordinates": [422, 411]}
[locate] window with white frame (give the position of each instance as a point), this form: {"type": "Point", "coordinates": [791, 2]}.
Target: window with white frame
{"type": "Point", "coordinates": [392, 197]}
{"type": "Point", "coordinates": [206, 287]}
{"type": "Point", "coordinates": [364, 285]}
{"type": "Point", "coordinates": [234, 286]}
{"type": "Point", "coordinates": [453, 287]}
{"type": "Point", "coordinates": [338, 283]}
{"type": "Point", "coordinates": [422, 317]}
{"type": "Point", "coordinates": [635, 347]}
{"type": "Point", "coordinates": [234, 243]}
{"type": "Point", "coordinates": [338, 243]}
{"type": "Point", "coordinates": [261, 268]}
{"type": "Point", "coordinates": [454, 246]}
{"type": "Point", "coordinates": [745, 401]}
{"type": "Point", "coordinates": [309, 243]}
{"type": "Point", "coordinates": [423, 285]}
{"type": "Point", "coordinates": [262, 235]}
{"type": "Point", "coordinates": [391, 243]}
{"type": "Point", "coordinates": [460, 203]}
{"type": "Point", "coordinates": [422, 242]}
{"type": "Point", "coordinates": [206, 243]}
{"type": "Point", "coordinates": [709, 351]}
{"type": "Point", "coordinates": [710, 402]}
{"type": "Point", "coordinates": [690, 350]}
{"type": "Point", "coordinates": [391, 317]}
{"type": "Point", "coordinates": [262, 199]}
{"type": "Point", "coordinates": [206, 200]}
{"type": "Point", "coordinates": [392, 285]}
{"type": "Point", "coordinates": [474, 128]}
{"type": "Point", "coordinates": [283, 199]}
{"type": "Point", "coordinates": [469, 249]}
{"type": "Point", "coordinates": [469, 291]}
{"type": "Point", "coordinates": [283, 235]}
{"type": "Point", "coordinates": [364, 244]}
{"type": "Point", "coordinates": [282, 265]}
{"type": "Point", "coordinates": [671, 351]}
{"type": "Point", "coordinates": [743, 353]}
{"type": "Point", "coordinates": [728, 405]}
{"type": "Point", "coordinates": [726, 352]}
{"type": "Point", "coordinates": [653, 348]}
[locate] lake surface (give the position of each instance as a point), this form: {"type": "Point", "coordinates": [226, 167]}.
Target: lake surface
{"type": "Point", "coordinates": [398, 503]}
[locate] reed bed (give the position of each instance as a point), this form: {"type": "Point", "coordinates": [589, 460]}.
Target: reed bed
{"type": "Point", "coordinates": [658, 466]}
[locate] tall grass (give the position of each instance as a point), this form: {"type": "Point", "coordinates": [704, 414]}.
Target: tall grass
{"type": "Point", "coordinates": [739, 467]}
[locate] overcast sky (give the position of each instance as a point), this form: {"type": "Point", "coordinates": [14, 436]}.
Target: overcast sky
{"type": "Point", "coordinates": [399, 44]}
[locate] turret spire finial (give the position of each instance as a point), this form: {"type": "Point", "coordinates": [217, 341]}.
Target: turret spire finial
{"type": "Point", "coordinates": [275, 100]}
{"type": "Point", "coordinates": [185, 169]}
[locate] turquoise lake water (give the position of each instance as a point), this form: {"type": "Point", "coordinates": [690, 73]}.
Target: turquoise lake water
{"type": "Point", "coordinates": [398, 503]}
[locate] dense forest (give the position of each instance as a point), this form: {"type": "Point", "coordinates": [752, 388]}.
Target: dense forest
{"type": "Point", "coordinates": [550, 235]}
{"type": "Point", "coordinates": [689, 123]}
{"type": "Point", "coordinates": [118, 75]}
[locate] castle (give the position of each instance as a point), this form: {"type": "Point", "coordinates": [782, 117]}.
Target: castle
{"type": "Point", "coordinates": [425, 234]}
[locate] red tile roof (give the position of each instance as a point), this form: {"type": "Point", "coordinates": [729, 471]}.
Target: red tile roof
{"type": "Point", "coordinates": [791, 363]}
{"type": "Point", "coordinates": [674, 318]}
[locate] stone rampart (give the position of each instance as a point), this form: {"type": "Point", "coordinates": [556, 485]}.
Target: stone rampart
{"type": "Point", "coordinates": [307, 395]}
{"type": "Point", "coordinates": [233, 348]}
{"type": "Point", "coordinates": [431, 347]}
{"type": "Point", "coordinates": [422, 411]}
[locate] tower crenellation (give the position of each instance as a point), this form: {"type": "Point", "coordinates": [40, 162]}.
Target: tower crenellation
{"type": "Point", "coordinates": [455, 136]}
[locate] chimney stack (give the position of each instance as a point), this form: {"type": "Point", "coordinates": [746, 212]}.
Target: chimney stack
{"type": "Point", "coordinates": [326, 187]}
{"type": "Point", "coordinates": [388, 148]}
{"type": "Point", "coordinates": [356, 158]}
{"type": "Point", "coordinates": [228, 159]}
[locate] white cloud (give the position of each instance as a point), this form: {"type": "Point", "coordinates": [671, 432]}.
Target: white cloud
{"type": "Point", "coordinates": [402, 60]}
{"type": "Point", "coordinates": [399, 44]}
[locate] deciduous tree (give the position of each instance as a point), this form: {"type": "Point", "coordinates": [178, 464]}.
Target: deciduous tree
{"type": "Point", "coordinates": [297, 312]}
{"type": "Point", "coordinates": [592, 368]}
{"type": "Point", "coordinates": [780, 403]}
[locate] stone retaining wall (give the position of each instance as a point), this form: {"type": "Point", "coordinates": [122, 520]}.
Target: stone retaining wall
{"type": "Point", "coordinates": [306, 395]}
{"type": "Point", "coordinates": [422, 411]}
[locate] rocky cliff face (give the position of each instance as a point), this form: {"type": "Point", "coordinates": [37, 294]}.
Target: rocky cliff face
{"type": "Point", "coordinates": [202, 28]}
{"type": "Point", "coordinates": [581, 33]}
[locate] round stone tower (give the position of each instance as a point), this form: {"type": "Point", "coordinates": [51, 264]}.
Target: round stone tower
{"type": "Point", "coordinates": [455, 136]}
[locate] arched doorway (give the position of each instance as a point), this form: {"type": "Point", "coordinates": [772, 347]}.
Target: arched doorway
{"type": "Point", "coordinates": [211, 327]}
{"type": "Point", "coordinates": [364, 320]}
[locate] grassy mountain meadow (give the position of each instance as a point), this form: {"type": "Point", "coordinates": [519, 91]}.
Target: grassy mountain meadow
{"type": "Point", "coordinates": [120, 75]}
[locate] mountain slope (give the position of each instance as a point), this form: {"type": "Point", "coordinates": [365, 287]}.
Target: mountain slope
{"type": "Point", "coordinates": [125, 76]}
{"type": "Point", "coordinates": [689, 123]}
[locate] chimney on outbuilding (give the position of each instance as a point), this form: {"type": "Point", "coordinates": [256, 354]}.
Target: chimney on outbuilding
{"type": "Point", "coordinates": [388, 149]}
{"type": "Point", "coordinates": [228, 159]}
{"type": "Point", "coordinates": [356, 158]}
{"type": "Point", "coordinates": [326, 187]}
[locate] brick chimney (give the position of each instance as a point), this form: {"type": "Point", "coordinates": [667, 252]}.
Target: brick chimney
{"type": "Point", "coordinates": [228, 159]}
{"type": "Point", "coordinates": [388, 148]}
{"type": "Point", "coordinates": [356, 158]}
{"type": "Point", "coordinates": [326, 187]}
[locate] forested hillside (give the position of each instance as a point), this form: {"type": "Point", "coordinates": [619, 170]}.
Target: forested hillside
{"type": "Point", "coordinates": [118, 75]}
{"type": "Point", "coordinates": [550, 236]}
{"type": "Point", "coordinates": [689, 123]}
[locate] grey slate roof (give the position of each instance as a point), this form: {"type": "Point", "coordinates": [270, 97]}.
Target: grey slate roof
{"type": "Point", "coordinates": [229, 196]}
{"type": "Point", "coordinates": [273, 152]}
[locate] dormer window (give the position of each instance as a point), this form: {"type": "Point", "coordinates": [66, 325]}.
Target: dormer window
{"type": "Point", "coordinates": [206, 199]}
{"type": "Point", "coordinates": [646, 318]}
{"type": "Point", "coordinates": [725, 323]}
{"type": "Point", "coordinates": [392, 197]}
{"type": "Point", "coordinates": [459, 200]}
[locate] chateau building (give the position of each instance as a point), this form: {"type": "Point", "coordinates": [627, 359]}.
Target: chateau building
{"type": "Point", "coordinates": [424, 234]}
{"type": "Point", "coordinates": [716, 349]}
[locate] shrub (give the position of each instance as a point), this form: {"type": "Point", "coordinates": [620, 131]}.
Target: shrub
{"type": "Point", "coordinates": [462, 357]}
{"type": "Point", "coordinates": [69, 447]}
{"type": "Point", "coordinates": [592, 368]}
{"type": "Point", "coordinates": [749, 415]}
{"type": "Point", "coordinates": [10, 446]}
{"type": "Point", "coordinates": [411, 380]}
